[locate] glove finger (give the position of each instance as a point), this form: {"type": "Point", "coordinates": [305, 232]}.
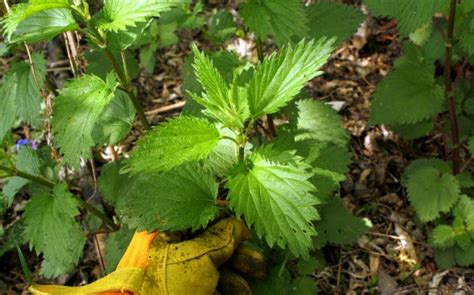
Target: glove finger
{"type": "Point", "coordinates": [136, 254]}
{"type": "Point", "coordinates": [250, 262]}
{"type": "Point", "coordinates": [231, 283]}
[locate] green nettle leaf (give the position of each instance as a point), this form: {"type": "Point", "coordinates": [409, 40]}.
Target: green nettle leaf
{"type": "Point", "coordinates": [27, 161]}
{"type": "Point", "coordinates": [318, 121]}
{"type": "Point", "coordinates": [173, 143]}
{"type": "Point", "coordinates": [44, 25]}
{"type": "Point", "coordinates": [76, 111]}
{"type": "Point", "coordinates": [225, 155]}
{"type": "Point", "coordinates": [283, 19]}
{"type": "Point", "coordinates": [280, 77]}
{"type": "Point", "coordinates": [22, 98]}
{"type": "Point", "coordinates": [96, 66]}
{"type": "Point", "coordinates": [411, 15]}
{"type": "Point", "coordinates": [221, 27]}
{"type": "Point", "coordinates": [224, 61]}
{"type": "Point", "coordinates": [230, 106]}
{"type": "Point", "coordinates": [442, 236]}
{"type": "Point", "coordinates": [431, 190]}
{"type": "Point", "coordinates": [327, 19]}
{"type": "Point", "coordinates": [115, 246]}
{"type": "Point", "coordinates": [115, 121]}
{"type": "Point", "coordinates": [409, 93]}
{"type": "Point", "coordinates": [115, 186]}
{"type": "Point", "coordinates": [337, 225]}
{"type": "Point", "coordinates": [20, 12]}
{"type": "Point", "coordinates": [52, 230]}
{"type": "Point", "coordinates": [118, 14]}
{"type": "Point", "coordinates": [275, 196]}
{"type": "Point", "coordinates": [471, 145]}
{"type": "Point", "coordinates": [182, 198]}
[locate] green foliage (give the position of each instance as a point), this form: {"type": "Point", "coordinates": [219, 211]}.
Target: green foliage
{"type": "Point", "coordinates": [224, 61]}
{"type": "Point", "coordinates": [283, 19]}
{"type": "Point", "coordinates": [51, 229]}
{"type": "Point", "coordinates": [409, 93]}
{"type": "Point", "coordinates": [327, 19]}
{"type": "Point", "coordinates": [221, 26]}
{"type": "Point", "coordinates": [161, 201]}
{"type": "Point", "coordinates": [117, 15]}
{"type": "Point", "coordinates": [173, 143]}
{"type": "Point", "coordinates": [410, 15]}
{"type": "Point", "coordinates": [115, 121]}
{"type": "Point", "coordinates": [115, 246]}
{"type": "Point", "coordinates": [281, 76]}
{"type": "Point", "coordinates": [44, 26]}
{"type": "Point", "coordinates": [21, 99]}
{"type": "Point", "coordinates": [113, 185]}
{"type": "Point", "coordinates": [76, 111]}
{"type": "Point", "coordinates": [230, 106]}
{"type": "Point", "coordinates": [318, 121]}
{"type": "Point", "coordinates": [337, 225]}
{"type": "Point", "coordinates": [23, 11]}
{"type": "Point", "coordinates": [274, 195]}
{"type": "Point", "coordinates": [432, 189]}
{"type": "Point", "coordinates": [454, 243]}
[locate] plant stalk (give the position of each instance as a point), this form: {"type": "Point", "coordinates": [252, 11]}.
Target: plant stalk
{"type": "Point", "coordinates": [128, 87]}
{"type": "Point", "coordinates": [51, 184]}
{"type": "Point", "coordinates": [448, 88]}
{"type": "Point", "coordinates": [271, 124]}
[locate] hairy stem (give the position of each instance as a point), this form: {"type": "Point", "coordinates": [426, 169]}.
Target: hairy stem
{"type": "Point", "coordinates": [448, 88]}
{"type": "Point", "coordinates": [271, 124]}
{"type": "Point", "coordinates": [124, 81]}
{"type": "Point", "coordinates": [50, 184]}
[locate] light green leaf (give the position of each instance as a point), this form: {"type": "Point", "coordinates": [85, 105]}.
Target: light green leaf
{"type": "Point", "coordinates": [337, 225]}
{"type": "Point", "coordinates": [20, 12]}
{"type": "Point", "coordinates": [281, 76]}
{"type": "Point", "coordinates": [173, 143]}
{"type": "Point", "coordinates": [229, 106]}
{"type": "Point", "coordinates": [115, 246]}
{"type": "Point", "coordinates": [224, 61]}
{"type": "Point", "coordinates": [118, 14]}
{"type": "Point", "coordinates": [327, 19]}
{"type": "Point", "coordinates": [224, 156]}
{"type": "Point", "coordinates": [442, 236]}
{"type": "Point", "coordinates": [44, 25]}
{"type": "Point", "coordinates": [431, 190]}
{"type": "Point", "coordinates": [182, 198]}
{"type": "Point", "coordinates": [275, 196]}
{"type": "Point", "coordinates": [283, 19]}
{"type": "Point", "coordinates": [409, 93]}
{"type": "Point", "coordinates": [422, 34]}
{"type": "Point", "coordinates": [52, 230]}
{"type": "Point", "coordinates": [76, 111]}
{"type": "Point", "coordinates": [318, 121]}
{"type": "Point", "coordinates": [115, 121]}
{"type": "Point", "coordinates": [410, 15]}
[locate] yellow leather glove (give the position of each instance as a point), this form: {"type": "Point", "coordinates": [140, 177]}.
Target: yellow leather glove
{"type": "Point", "coordinates": [152, 266]}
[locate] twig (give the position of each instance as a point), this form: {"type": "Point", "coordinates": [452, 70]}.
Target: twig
{"type": "Point", "coordinates": [448, 88]}
{"type": "Point", "coordinates": [167, 108]}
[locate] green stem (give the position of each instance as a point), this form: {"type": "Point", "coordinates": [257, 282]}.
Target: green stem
{"type": "Point", "coordinates": [448, 88]}
{"type": "Point", "coordinates": [124, 81]}
{"type": "Point", "coordinates": [51, 184]}
{"type": "Point", "coordinates": [271, 124]}
{"type": "Point", "coordinates": [241, 153]}
{"type": "Point", "coordinates": [38, 179]}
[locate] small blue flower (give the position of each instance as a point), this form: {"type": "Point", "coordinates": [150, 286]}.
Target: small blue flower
{"type": "Point", "coordinates": [20, 143]}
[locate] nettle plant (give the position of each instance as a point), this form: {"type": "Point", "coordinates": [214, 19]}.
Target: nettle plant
{"type": "Point", "coordinates": [222, 156]}
{"type": "Point", "coordinates": [413, 101]}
